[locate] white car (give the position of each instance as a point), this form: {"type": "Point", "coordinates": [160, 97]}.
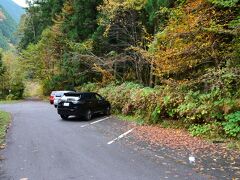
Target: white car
{"type": "Point", "coordinates": [58, 95]}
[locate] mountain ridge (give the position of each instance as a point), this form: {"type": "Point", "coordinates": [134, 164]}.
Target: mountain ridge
{"type": "Point", "coordinates": [7, 29]}
{"type": "Point", "coordinates": [13, 9]}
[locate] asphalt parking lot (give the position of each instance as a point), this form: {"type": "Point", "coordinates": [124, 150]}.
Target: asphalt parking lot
{"type": "Point", "coordinates": [42, 146]}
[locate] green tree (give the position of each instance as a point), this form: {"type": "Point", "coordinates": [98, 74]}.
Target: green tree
{"type": "Point", "coordinates": [2, 68]}
{"type": "Point", "coordinates": [80, 19]}
{"type": "Point", "coordinates": [39, 15]}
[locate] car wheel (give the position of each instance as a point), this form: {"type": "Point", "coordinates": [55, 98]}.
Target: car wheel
{"type": "Point", "coordinates": [55, 106]}
{"type": "Point", "coordinates": [65, 117]}
{"type": "Point", "coordinates": [88, 115]}
{"type": "Point", "coordinates": [108, 111]}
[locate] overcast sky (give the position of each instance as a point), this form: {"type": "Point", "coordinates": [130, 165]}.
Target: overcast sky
{"type": "Point", "coordinates": [21, 2]}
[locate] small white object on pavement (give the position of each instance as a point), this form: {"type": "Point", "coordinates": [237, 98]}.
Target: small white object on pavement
{"type": "Point", "coordinates": [191, 159]}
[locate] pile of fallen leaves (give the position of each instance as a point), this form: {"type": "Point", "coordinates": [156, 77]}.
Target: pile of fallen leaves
{"type": "Point", "coordinates": [172, 138]}
{"type": "Point", "coordinates": [213, 158]}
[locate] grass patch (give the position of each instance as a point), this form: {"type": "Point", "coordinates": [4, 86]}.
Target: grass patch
{"type": "Point", "coordinates": [9, 101]}
{"type": "Point", "coordinates": [174, 124]}
{"type": "Point", "coordinates": [234, 144]}
{"type": "Point", "coordinates": [4, 122]}
{"type": "Point", "coordinates": [130, 118]}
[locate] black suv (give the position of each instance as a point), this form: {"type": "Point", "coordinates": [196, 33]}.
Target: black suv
{"type": "Point", "coordinates": [82, 104]}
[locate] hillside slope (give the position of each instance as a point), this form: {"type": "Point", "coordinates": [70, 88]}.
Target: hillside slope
{"type": "Point", "coordinates": [7, 28]}
{"type": "Point", "coordinates": [13, 9]}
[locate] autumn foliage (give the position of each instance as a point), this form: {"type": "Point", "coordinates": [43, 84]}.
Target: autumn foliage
{"type": "Point", "coordinates": [168, 59]}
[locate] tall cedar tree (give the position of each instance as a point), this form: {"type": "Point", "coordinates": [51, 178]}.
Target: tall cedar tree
{"type": "Point", "coordinates": [80, 19]}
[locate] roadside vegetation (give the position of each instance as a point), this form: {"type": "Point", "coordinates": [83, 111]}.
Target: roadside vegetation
{"type": "Point", "coordinates": [4, 123]}
{"type": "Point", "coordinates": [211, 114]}
{"type": "Point", "coordinates": [11, 76]}
{"type": "Point", "coordinates": [174, 63]}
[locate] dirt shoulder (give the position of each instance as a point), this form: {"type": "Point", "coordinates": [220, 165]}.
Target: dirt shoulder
{"type": "Point", "coordinates": [213, 159]}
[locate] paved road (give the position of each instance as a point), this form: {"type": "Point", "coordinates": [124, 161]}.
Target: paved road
{"type": "Point", "coordinates": [41, 146]}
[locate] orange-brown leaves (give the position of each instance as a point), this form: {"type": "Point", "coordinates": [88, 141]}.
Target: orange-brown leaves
{"type": "Point", "coordinates": [68, 8]}
{"type": "Point", "coordinates": [2, 17]}
{"type": "Point", "coordinates": [184, 44]}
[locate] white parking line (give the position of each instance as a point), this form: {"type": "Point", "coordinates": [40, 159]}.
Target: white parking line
{"type": "Point", "coordinates": [121, 136]}
{"type": "Point", "coordinates": [100, 120]}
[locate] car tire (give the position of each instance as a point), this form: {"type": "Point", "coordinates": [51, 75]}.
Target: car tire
{"type": "Point", "coordinates": [107, 111]}
{"type": "Point", "coordinates": [64, 117]}
{"type": "Point", "coordinates": [88, 115]}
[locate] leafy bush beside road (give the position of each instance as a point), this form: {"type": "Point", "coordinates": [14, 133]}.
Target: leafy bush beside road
{"type": "Point", "coordinates": [203, 112]}
{"type": "Point", "coordinates": [232, 124]}
{"type": "Point", "coordinates": [11, 76]}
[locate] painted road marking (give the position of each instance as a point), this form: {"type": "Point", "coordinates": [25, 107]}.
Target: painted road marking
{"type": "Point", "coordinates": [121, 136]}
{"type": "Point", "coordinates": [100, 120]}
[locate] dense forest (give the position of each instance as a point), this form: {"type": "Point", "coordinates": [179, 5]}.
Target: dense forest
{"type": "Point", "coordinates": [155, 60]}
{"type": "Point", "coordinates": [11, 74]}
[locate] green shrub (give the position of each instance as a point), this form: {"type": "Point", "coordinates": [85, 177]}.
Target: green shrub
{"type": "Point", "coordinates": [10, 97]}
{"type": "Point", "coordinates": [155, 116]}
{"type": "Point", "coordinates": [232, 126]}
{"type": "Point", "coordinates": [209, 130]}
{"type": "Point", "coordinates": [200, 107]}
{"type": "Point", "coordinates": [199, 130]}
{"type": "Point", "coordinates": [17, 90]}
{"type": "Point", "coordinates": [224, 3]}
{"type": "Point", "coordinates": [89, 87]}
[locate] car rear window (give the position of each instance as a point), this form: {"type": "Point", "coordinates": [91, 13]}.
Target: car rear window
{"type": "Point", "coordinates": [72, 94]}
{"type": "Point", "coordinates": [59, 94]}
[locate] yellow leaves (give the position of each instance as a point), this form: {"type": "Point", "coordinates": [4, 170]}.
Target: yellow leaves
{"type": "Point", "coordinates": [56, 28]}
{"type": "Point", "coordinates": [183, 44]}
{"type": "Point", "coordinates": [174, 58]}
{"type": "Point", "coordinates": [136, 4]}
{"type": "Point", "coordinates": [68, 8]}
{"type": "Point", "coordinates": [106, 76]}
{"type": "Point", "coordinates": [83, 47]}
{"type": "Point", "coordinates": [113, 5]}
{"type": "Point", "coordinates": [110, 7]}
{"type": "Point", "coordinates": [105, 34]}
{"type": "Point", "coordinates": [193, 5]}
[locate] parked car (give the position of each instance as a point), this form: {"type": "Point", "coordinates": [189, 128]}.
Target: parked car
{"type": "Point", "coordinates": [51, 98]}
{"type": "Point", "coordinates": [82, 105]}
{"type": "Point", "coordinates": [58, 95]}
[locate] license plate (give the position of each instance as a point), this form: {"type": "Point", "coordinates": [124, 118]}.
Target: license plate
{"type": "Point", "coordinates": [65, 104]}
